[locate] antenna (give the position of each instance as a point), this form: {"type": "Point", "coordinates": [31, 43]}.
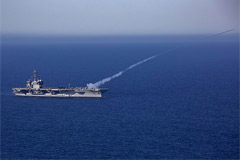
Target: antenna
{"type": "Point", "coordinates": [34, 75]}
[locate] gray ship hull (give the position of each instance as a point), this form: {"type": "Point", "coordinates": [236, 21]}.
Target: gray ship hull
{"type": "Point", "coordinates": [60, 92]}
{"type": "Point", "coordinates": [34, 88]}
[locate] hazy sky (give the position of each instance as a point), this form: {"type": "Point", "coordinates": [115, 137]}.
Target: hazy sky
{"type": "Point", "coordinates": [114, 17]}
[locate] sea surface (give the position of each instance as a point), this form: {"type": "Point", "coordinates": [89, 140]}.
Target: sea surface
{"type": "Point", "coordinates": [180, 105]}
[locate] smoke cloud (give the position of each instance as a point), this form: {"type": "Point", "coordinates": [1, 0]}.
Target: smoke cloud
{"type": "Point", "coordinates": [103, 81]}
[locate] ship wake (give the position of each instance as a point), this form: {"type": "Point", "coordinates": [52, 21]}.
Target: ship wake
{"type": "Point", "coordinates": [105, 80]}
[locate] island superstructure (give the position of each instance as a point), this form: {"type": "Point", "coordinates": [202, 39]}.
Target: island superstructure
{"type": "Point", "coordinates": [34, 87]}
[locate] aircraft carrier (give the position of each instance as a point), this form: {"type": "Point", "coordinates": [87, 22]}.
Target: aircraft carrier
{"type": "Point", "coordinates": [34, 88]}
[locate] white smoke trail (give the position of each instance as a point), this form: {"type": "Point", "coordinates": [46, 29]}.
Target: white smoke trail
{"type": "Point", "coordinates": [101, 82]}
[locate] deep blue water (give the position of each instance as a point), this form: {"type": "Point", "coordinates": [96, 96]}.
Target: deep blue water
{"type": "Point", "coordinates": [184, 104]}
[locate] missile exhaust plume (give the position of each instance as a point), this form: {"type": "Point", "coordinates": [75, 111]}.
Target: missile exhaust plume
{"type": "Point", "coordinates": [103, 81]}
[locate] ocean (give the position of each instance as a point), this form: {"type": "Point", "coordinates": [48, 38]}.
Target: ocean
{"type": "Point", "coordinates": [180, 105]}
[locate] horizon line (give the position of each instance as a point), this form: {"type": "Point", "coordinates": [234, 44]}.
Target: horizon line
{"type": "Point", "coordinates": [108, 35]}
